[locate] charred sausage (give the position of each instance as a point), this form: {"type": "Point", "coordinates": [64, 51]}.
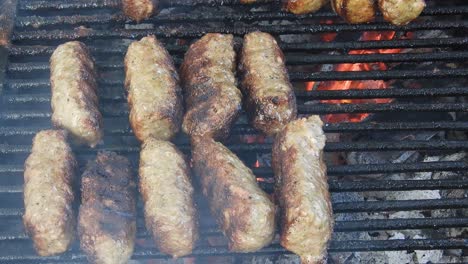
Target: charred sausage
{"type": "Point", "coordinates": [107, 217]}
{"type": "Point", "coordinates": [154, 93]}
{"type": "Point", "coordinates": [401, 12]}
{"type": "Point", "coordinates": [49, 173]}
{"type": "Point", "coordinates": [355, 11]}
{"type": "Point", "coordinates": [302, 189]}
{"type": "Point", "coordinates": [139, 10]}
{"type": "Point", "coordinates": [168, 198]}
{"type": "Point", "coordinates": [300, 7]}
{"type": "Point", "coordinates": [244, 212]}
{"type": "Point", "coordinates": [212, 98]}
{"type": "Point", "coordinates": [74, 100]}
{"type": "Point", "coordinates": [270, 99]}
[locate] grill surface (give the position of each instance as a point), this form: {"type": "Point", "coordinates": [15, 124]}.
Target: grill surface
{"type": "Point", "coordinates": [41, 25]}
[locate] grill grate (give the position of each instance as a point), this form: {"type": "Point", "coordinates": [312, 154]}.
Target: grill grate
{"type": "Point", "coordinates": [41, 25]}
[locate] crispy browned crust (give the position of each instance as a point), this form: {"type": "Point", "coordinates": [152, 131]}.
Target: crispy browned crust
{"type": "Point", "coordinates": [107, 217]}
{"type": "Point", "coordinates": [167, 192]}
{"type": "Point", "coordinates": [302, 189]}
{"type": "Point", "coordinates": [139, 10]}
{"type": "Point", "coordinates": [74, 100]}
{"type": "Point", "coordinates": [154, 93]}
{"type": "Point", "coordinates": [401, 12]}
{"type": "Point", "coordinates": [300, 7]}
{"type": "Point", "coordinates": [244, 212]}
{"type": "Point", "coordinates": [270, 99]}
{"type": "Point", "coordinates": [49, 174]}
{"type": "Point", "coordinates": [212, 99]}
{"type": "Point", "coordinates": [355, 11]}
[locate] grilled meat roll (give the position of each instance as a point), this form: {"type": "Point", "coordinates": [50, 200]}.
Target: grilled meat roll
{"type": "Point", "coordinates": [300, 7]}
{"type": "Point", "coordinates": [107, 217]}
{"type": "Point", "coordinates": [49, 174]}
{"type": "Point", "coordinates": [270, 99]}
{"type": "Point", "coordinates": [154, 94]}
{"type": "Point", "coordinates": [355, 11]}
{"type": "Point", "coordinates": [302, 189]}
{"type": "Point", "coordinates": [401, 12]}
{"type": "Point", "coordinates": [139, 10]}
{"type": "Point", "coordinates": [212, 99]}
{"type": "Point", "coordinates": [168, 198]}
{"type": "Point", "coordinates": [244, 212]}
{"type": "Point", "coordinates": [74, 100]}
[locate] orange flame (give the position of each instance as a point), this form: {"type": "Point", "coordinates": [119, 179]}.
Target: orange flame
{"type": "Point", "coordinates": [349, 84]}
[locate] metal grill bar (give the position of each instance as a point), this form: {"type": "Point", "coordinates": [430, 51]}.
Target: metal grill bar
{"type": "Point", "coordinates": [407, 185]}
{"type": "Point", "coordinates": [309, 46]}
{"type": "Point", "coordinates": [348, 186]}
{"type": "Point", "coordinates": [244, 129]}
{"type": "Point", "coordinates": [335, 246]}
{"type": "Point", "coordinates": [36, 21]}
{"type": "Point", "coordinates": [310, 95]}
{"type": "Point", "coordinates": [382, 93]}
{"type": "Point", "coordinates": [342, 170]}
{"type": "Point", "coordinates": [89, 4]}
{"type": "Point", "coordinates": [356, 207]}
{"type": "Point", "coordinates": [26, 84]}
{"type": "Point", "coordinates": [184, 32]}
{"type": "Point", "coordinates": [340, 226]}
{"type": "Point", "coordinates": [330, 147]}
{"type": "Point", "coordinates": [291, 60]}
{"type": "Point", "coordinates": [302, 109]}
{"type": "Point", "coordinates": [376, 75]}
{"type": "Point", "coordinates": [381, 108]}
{"type": "Point", "coordinates": [400, 205]}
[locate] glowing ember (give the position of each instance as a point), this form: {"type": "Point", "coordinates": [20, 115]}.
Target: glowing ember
{"type": "Point", "coordinates": [257, 164]}
{"type": "Point", "coordinates": [366, 84]}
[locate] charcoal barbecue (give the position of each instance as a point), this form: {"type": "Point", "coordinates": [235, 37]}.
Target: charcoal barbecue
{"type": "Point", "coordinates": [31, 30]}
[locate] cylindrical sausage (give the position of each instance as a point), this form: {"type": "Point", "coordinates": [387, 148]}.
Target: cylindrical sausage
{"type": "Point", "coordinates": [355, 11]}
{"type": "Point", "coordinates": [154, 93]}
{"type": "Point", "coordinates": [300, 7]}
{"type": "Point", "coordinates": [49, 174]}
{"type": "Point", "coordinates": [212, 99]}
{"type": "Point", "coordinates": [74, 100]}
{"type": "Point", "coordinates": [302, 189]}
{"type": "Point", "coordinates": [270, 99]}
{"type": "Point", "coordinates": [168, 198]}
{"type": "Point", "coordinates": [401, 12]}
{"type": "Point", "coordinates": [244, 212]}
{"type": "Point", "coordinates": [139, 10]}
{"type": "Point", "coordinates": [107, 217]}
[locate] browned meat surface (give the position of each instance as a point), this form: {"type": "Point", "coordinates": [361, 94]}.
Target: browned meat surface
{"type": "Point", "coordinates": [49, 173]}
{"type": "Point", "coordinates": [401, 12]}
{"type": "Point", "coordinates": [355, 11]}
{"type": "Point", "coordinates": [154, 94]}
{"type": "Point", "coordinates": [270, 99]}
{"type": "Point", "coordinates": [107, 218]}
{"type": "Point", "coordinates": [244, 212]}
{"type": "Point", "coordinates": [139, 10]}
{"type": "Point", "coordinates": [167, 192]}
{"type": "Point", "coordinates": [300, 7]}
{"type": "Point", "coordinates": [74, 100]}
{"type": "Point", "coordinates": [302, 189]}
{"type": "Point", "coordinates": [212, 99]}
